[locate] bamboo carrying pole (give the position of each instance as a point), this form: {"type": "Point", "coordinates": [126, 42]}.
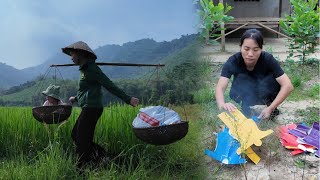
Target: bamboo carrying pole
{"type": "Point", "coordinates": [118, 64]}
{"type": "Point", "coordinates": [111, 64]}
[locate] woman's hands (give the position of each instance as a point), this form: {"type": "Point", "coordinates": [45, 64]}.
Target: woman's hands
{"type": "Point", "coordinates": [266, 112]}
{"type": "Point", "coordinates": [134, 102]}
{"type": "Point", "coordinates": [286, 88]}
{"type": "Point", "coordinates": [228, 107]}
{"type": "Point", "coordinates": [219, 93]}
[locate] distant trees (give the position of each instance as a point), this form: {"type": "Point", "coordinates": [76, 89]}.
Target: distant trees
{"type": "Point", "coordinates": [18, 88]}
{"type": "Point", "coordinates": [176, 87]}
{"type": "Point", "coordinates": [178, 81]}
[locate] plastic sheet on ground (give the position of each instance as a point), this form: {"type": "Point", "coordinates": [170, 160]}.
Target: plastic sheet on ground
{"type": "Point", "coordinates": [225, 151]}
{"type": "Point", "coordinates": [244, 130]}
{"type": "Point", "coordinates": [234, 140]}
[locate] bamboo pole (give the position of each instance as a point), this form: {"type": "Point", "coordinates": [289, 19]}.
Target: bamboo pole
{"type": "Point", "coordinates": [111, 64]}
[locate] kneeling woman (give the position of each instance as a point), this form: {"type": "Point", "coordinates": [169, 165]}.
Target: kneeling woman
{"type": "Point", "coordinates": [257, 78]}
{"type": "Point", "coordinates": [89, 98]}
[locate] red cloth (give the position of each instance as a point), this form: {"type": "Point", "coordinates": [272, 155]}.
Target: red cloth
{"type": "Point", "coordinates": [290, 141]}
{"type": "Point", "coordinates": [148, 119]}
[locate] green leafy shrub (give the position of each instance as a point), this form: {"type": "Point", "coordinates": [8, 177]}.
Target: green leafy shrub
{"type": "Point", "coordinates": [211, 18]}
{"type": "Point", "coordinates": [303, 27]}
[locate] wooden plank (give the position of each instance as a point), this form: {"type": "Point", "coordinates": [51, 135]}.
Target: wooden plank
{"type": "Point", "coordinates": [281, 34]}
{"type": "Point", "coordinates": [112, 64]}
{"type": "Point", "coordinates": [233, 30]}
{"type": "Point", "coordinates": [260, 19]}
{"type": "Point", "coordinates": [249, 26]}
{"type": "Point", "coordinates": [239, 23]}
{"type": "Point", "coordinates": [264, 22]}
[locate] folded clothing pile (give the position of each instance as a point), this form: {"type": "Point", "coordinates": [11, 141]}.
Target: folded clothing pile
{"type": "Point", "coordinates": [300, 138]}
{"type": "Point", "coordinates": [155, 116]}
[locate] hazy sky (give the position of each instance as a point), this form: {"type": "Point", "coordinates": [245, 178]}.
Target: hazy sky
{"type": "Point", "coordinates": [33, 30]}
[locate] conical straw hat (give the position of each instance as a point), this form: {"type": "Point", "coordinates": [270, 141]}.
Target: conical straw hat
{"type": "Point", "coordinates": [82, 46]}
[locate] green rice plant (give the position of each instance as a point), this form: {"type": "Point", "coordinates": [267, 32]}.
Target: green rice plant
{"type": "Point", "coordinates": [51, 163]}
{"type": "Point", "coordinates": [204, 95]}
{"type": "Point", "coordinates": [30, 150]}
{"type": "Point", "coordinates": [18, 132]}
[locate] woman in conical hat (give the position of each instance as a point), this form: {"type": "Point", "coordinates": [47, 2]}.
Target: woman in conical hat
{"type": "Point", "coordinates": [89, 98]}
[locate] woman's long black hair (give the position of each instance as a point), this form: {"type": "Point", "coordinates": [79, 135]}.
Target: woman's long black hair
{"type": "Point", "coordinates": [252, 34]}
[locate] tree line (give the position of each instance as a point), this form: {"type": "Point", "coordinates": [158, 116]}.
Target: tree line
{"type": "Point", "coordinates": [171, 87]}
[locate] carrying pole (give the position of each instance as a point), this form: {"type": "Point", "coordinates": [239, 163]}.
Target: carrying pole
{"type": "Point", "coordinates": [111, 64]}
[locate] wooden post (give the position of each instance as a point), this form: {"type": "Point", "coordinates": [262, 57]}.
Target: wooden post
{"type": "Point", "coordinates": [223, 38]}
{"type": "Point", "coordinates": [280, 11]}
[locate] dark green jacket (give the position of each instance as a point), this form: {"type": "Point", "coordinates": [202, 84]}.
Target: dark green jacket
{"type": "Point", "coordinates": [91, 79]}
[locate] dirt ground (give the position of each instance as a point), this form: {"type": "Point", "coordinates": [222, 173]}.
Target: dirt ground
{"type": "Point", "coordinates": [275, 163]}
{"type": "Point", "coordinates": [289, 108]}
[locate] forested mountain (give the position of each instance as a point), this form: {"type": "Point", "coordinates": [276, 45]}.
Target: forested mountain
{"type": "Point", "coordinates": [141, 51]}
{"type": "Point", "coordinates": [175, 83]}
{"type": "Point", "coordinates": [11, 76]}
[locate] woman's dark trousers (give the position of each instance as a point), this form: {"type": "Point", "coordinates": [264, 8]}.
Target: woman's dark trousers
{"type": "Point", "coordinates": [82, 135]}
{"type": "Point", "coordinates": [249, 91]}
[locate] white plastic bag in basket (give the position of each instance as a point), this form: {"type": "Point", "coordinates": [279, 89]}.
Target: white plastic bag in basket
{"type": "Point", "coordinates": [155, 116]}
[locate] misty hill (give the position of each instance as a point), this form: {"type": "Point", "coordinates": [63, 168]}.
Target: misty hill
{"type": "Point", "coordinates": [141, 51]}
{"type": "Point", "coordinates": [11, 76]}
{"type": "Point", "coordinates": [181, 66]}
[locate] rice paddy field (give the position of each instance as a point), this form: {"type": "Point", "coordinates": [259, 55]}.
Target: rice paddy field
{"type": "Point", "coordinates": [32, 150]}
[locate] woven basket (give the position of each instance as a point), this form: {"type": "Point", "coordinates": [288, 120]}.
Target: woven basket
{"type": "Point", "coordinates": [162, 135]}
{"type": "Point", "coordinates": [52, 114]}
